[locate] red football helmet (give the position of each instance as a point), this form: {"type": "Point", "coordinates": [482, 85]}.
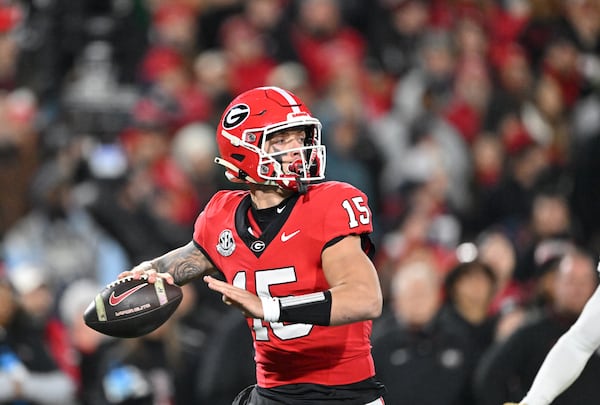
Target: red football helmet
{"type": "Point", "coordinates": [246, 124]}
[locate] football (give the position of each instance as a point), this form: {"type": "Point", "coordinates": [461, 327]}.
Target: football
{"type": "Point", "coordinates": [129, 307]}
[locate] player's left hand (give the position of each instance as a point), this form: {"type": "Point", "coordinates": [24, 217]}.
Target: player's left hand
{"type": "Point", "coordinates": [148, 270]}
{"type": "Point", "coordinates": [249, 303]}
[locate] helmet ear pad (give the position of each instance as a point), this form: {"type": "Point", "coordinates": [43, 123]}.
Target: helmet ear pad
{"type": "Point", "coordinates": [247, 123]}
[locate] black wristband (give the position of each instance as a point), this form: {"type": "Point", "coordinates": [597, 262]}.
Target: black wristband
{"type": "Point", "coordinates": [314, 309]}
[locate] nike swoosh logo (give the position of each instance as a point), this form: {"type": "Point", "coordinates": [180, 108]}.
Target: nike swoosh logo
{"type": "Point", "coordinates": [285, 238]}
{"type": "Point", "coordinates": [280, 209]}
{"type": "Point", "coordinates": [115, 300]}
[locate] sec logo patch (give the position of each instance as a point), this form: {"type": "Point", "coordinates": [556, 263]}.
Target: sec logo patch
{"type": "Point", "coordinates": [226, 244]}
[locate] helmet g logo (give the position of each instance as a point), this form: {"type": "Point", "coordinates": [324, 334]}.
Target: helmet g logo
{"type": "Point", "coordinates": [235, 116]}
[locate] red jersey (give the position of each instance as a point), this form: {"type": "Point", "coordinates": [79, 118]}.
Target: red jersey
{"type": "Point", "coordinates": [284, 260]}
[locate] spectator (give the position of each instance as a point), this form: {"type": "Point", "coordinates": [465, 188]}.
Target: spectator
{"type": "Point", "coordinates": [148, 206]}
{"type": "Point", "coordinates": [560, 62]}
{"type": "Point", "coordinates": [321, 37]}
{"type": "Point", "coordinates": [513, 82]}
{"type": "Point", "coordinates": [88, 346]}
{"type": "Point", "coordinates": [11, 16]}
{"type": "Point", "coordinates": [489, 160]}
{"type": "Point", "coordinates": [60, 235]}
{"type": "Point", "coordinates": [548, 255]}
{"type": "Point", "coordinates": [292, 75]}
{"type": "Point", "coordinates": [211, 75]}
{"type": "Point", "coordinates": [192, 150]}
{"type": "Point", "coordinates": [497, 251]}
{"type": "Point", "coordinates": [271, 19]}
{"type": "Point", "coordinates": [508, 369]}
{"type": "Point", "coordinates": [38, 301]}
{"type": "Point", "coordinates": [394, 33]}
{"type": "Point", "coordinates": [415, 349]}
{"type": "Point", "coordinates": [229, 347]}
{"type": "Point", "coordinates": [550, 219]}
{"type": "Point", "coordinates": [469, 289]}
{"type": "Point", "coordinates": [509, 202]}
{"type": "Point", "coordinates": [19, 154]}
{"type": "Point", "coordinates": [174, 25]}
{"type": "Point", "coordinates": [28, 371]}
{"type": "Point", "coordinates": [353, 156]}
{"type": "Point", "coordinates": [248, 61]}
{"type": "Point", "coordinates": [430, 80]}
{"type": "Point", "coordinates": [204, 338]}
{"type": "Point", "coordinates": [470, 100]}
{"type": "Point", "coordinates": [169, 99]}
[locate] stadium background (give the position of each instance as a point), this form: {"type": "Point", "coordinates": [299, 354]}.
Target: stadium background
{"type": "Point", "coordinates": [464, 121]}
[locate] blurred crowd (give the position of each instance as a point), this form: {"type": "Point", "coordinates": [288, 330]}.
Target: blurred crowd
{"type": "Point", "coordinates": [472, 125]}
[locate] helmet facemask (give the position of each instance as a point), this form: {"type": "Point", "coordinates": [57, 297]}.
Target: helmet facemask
{"type": "Point", "coordinates": [308, 164]}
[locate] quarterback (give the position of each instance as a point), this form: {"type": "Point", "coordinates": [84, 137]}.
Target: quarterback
{"type": "Point", "coordinates": [294, 252]}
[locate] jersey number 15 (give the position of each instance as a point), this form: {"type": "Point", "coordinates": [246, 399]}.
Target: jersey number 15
{"type": "Point", "coordinates": [265, 279]}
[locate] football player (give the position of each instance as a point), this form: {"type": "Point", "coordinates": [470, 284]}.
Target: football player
{"type": "Point", "coordinates": [295, 253]}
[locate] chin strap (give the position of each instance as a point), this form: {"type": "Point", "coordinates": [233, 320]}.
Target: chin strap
{"type": "Point", "coordinates": [297, 167]}
{"type": "Point", "coordinates": [302, 186]}
{"type": "Point", "coordinates": [240, 175]}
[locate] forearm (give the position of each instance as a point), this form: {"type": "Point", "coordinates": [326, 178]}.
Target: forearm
{"type": "Point", "coordinates": [560, 369]}
{"type": "Point", "coordinates": [184, 264]}
{"type": "Point", "coordinates": [566, 360]}
{"type": "Point", "coordinates": [355, 302]}
{"type": "Point", "coordinates": [340, 305]}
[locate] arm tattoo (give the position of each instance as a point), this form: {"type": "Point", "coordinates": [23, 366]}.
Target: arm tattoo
{"type": "Point", "coordinates": [184, 264]}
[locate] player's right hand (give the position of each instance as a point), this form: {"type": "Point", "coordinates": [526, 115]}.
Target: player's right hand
{"type": "Point", "coordinates": [146, 269]}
